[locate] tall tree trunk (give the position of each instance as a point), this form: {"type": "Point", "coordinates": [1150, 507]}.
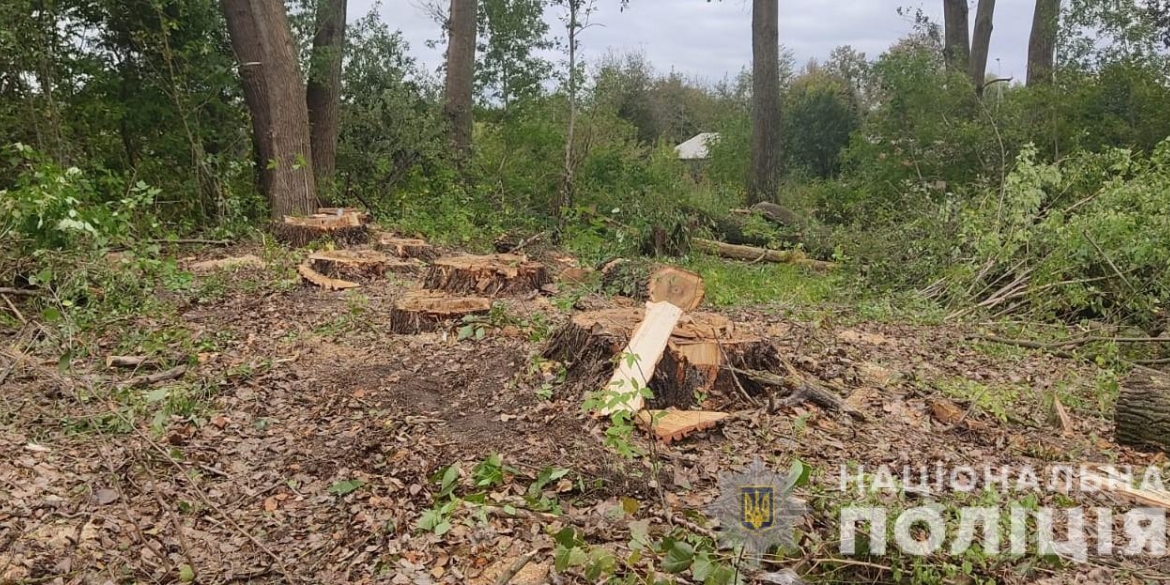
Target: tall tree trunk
{"type": "Point", "coordinates": [957, 41]}
{"type": "Point", "coordinates": [323, 94]}
{"type": "Point", "coordinates": [981, 43]}
{"type": "Point", "coordinates": [276, 100]}
{"type": "Point", "coordinates": [565, 197]}
{"type": "Point", "coordinates": [764, 180]}
{"type": "Point", "coordinates": [460, 70]}
{"type": "Point", "coordinates": [1042, 42]}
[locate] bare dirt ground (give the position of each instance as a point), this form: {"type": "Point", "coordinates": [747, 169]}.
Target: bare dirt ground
{"type": "Point", "coordinates": [302, 444]}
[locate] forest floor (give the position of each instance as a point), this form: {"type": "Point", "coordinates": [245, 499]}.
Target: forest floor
{"type": "Point", "coordinates": [306, 444]}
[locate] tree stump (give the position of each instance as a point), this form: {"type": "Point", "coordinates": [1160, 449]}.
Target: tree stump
{"type": "Point", "coordinates": [357, 264]}
{"type": "Point", "coordinates": [345, 228]}
{"type": "Point", "coordinates": [1142, 416]}
{"type": "Point", "coordinates": [489, 275]}
{"type": "Point", "coordinates": [425, 310]}
{"type": "Point", "coordinates": [692, 365]}
{"type": "Point", "coordinates": [406, 247]}
{"type": "Point", "coordinates": [305, 269]}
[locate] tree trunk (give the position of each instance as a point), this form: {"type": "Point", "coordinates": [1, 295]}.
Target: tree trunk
{"type": "Point", "coordinates": [323, 95]}
{"type": "Point", "coordinates": [276, 100]}
{"type": "Point", "coordinates": [981, 43]}
{"type": "Point", "coordinates": [1042, 42]}
{"type": "Point", "coordinates": [565, 197]}
{"type": "Point", "coordinates": [957, 43]}
{"type": "Point", "coordinates": [460, 70]}
{"type": "Point", "coordinates": [1142, 417]}
{"type": "Point", "coordinates": [764, 181]}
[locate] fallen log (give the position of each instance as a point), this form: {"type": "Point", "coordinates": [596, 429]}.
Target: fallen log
{"type": "Point", "coordinates": [639, 358]}
{"type": "Point", "coordinates": [691, 366]}
{"type": "Point", "coordinates": [489, 275]}
{"type": "Point", "coordinates": [422, 310]}
{"type": "Point", "coordinates": [802, 388]}
{"type": "Point", "coordinates": [149, 379]}
{"type": "Point", "coordinates": [1142, 415]}
{"type": "Point", "coordinates": [126, 361]}
{"type": "Point", "coordinates": [751, 254]}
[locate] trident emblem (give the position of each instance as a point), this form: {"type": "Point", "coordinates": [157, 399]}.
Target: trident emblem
{"type": "Point", "coordinates": [755, 507]}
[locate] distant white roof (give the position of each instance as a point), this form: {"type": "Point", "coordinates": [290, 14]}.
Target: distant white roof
{"type": "Point", "coordinates": [696, 148]}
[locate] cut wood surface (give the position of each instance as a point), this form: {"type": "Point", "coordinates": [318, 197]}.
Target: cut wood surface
{"type": "Point", "coordinates": [490, 275]}
{"type": "Point", "coordinates": [637, 360]}
{"type": "Point", "coordinates": [352, 264]}
{"type": "Point", "coordinates": [406, 247]}
{"type": "Point", "coordinates": [247, 260]}
{"type": "Point", "coordinates": [1142, 416]}
{"type": "Point", "coordinates": [347, 228]}
{"type": "Point", "coordinates": [681, 288]}
{"type": "Point", "coordinates": [312, 276]}
{"type": "Point", "coordinates": [423, 310]}
{"type": "Point", "coordinates": [126, 361]}
{"type": "Point", "coordinates": [699, 346]}
{"type": "Point", "coordinates": [672, 425]}
{"type": "Point", "coordinates": [752, 254]}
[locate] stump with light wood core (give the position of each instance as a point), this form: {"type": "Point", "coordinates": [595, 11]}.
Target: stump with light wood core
{"type": "Point", "coordinates": [358, 264]}
{"type": "Point", "coordinates": [406, 247]}
{"type": "Point", "coordinates": [425, 310]}
{"type": "Point", "coordinates": [699, 348]}
{"type": "Point", "coordinates": [488, 275]}
{"type": "Point", "coordinates": [1142, 416]}
{"type": "Point", "coordinates": [342, 226]}
{"type": "Point", "coordinates": [647, 281]}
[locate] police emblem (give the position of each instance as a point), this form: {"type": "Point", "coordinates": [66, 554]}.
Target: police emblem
{"type": "Point", "coordinates": [756, 509]}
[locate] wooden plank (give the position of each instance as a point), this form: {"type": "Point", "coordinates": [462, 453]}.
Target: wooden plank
{"type": "Point", "coordinates": [647, 344]}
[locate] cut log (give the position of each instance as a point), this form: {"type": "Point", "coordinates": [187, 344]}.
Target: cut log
{"type": "Point", "coordinates": [490, 275]}
{"type": "Point", "coordinates": [751, 254]}
{"type": "Point", "coordinates": [347, 228]}
{"type": "Point", "coordinates": [406, 247]}
{"type": "Point", "coordinates": [316, 278]}
{"type": "Point", "coordinates": [1142, 415]}
{"type": "Point", "coordinates": [681, 288]}
{"type": "Point", "coordinates": [802, 388]}
{"type": "Point", "coordinates": [637, 361]}
{"type": "Point", "coordinates": [126, 361]}
{"type": "Point", "coordinates": [690, 368]}
{"type": "Point", "coordinates": [358, 264]}
{"type": "Point", "coordinates": [672, 425]}
{"type": "Point", "coordinates": [423, 310]}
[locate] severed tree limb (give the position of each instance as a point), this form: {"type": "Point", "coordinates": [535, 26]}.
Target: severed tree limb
{"type": "Point", "coordinates": [171, 374]}
{"type": "Point", "coordinates": [507, 576]}
{"type": "Point", "coordinates": [802, 389]}
{"type": "Point", "coordinates": [20, 292]}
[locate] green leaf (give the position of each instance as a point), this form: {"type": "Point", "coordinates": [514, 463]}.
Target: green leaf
{"type": "Point", "coordinates": [798, 475]}
{"type": "Point", "coordinates": [342, 488]}
{"type": "Point", "coordinates": [186, 573]}
{"type": "Point", "coordinates": [678, 558]}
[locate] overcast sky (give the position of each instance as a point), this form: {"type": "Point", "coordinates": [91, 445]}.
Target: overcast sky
{"type": "Point", "coordinates": [710, 39]}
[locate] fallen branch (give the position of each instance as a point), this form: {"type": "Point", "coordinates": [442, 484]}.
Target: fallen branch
{"type": "Point", "coordinates": [752, 254]}
{"type": "Point", "coordinates": [802, 389]}
{"type": "Point", "coordinates": [149, 379]}
{"type": "Point", "coordinates": [125, 361]}
{"type": "Point", "coordinates": [20, 292]}
{"type": "Point", "coordinates": [507, 576]}
{"type": "Point", "coordinates": [191, 241]}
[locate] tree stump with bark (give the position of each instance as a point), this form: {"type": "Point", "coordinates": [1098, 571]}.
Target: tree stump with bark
{"type": "Point", "coordinates": [358, 264]}
{"type": "Point", "coordinates": [692, 365]}
{"type": "Point", "coordinates": [643, 281]}
{"type": "Point", "coordinates": [1142, 416]}
{"type": "Point", "coordinates": [406, 247]}
{"type": "Point", "coordinates": [344, 227]}
{"type": "Point", "coordinates": [426, 310]}
{"type": "Point", "coordinates": [488, 275]}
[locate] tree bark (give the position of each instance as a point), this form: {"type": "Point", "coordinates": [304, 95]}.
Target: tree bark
{"type": "Point", "coordinates": [275, 97]}
{"type": "Point", "coordinates": [764, 178]}
{"type": "Point", "coordinates": [957, 43]}
{"type": "Point", "coordinates": [1042, 42]}
{"type": "Point", "coordinates": [323, 94]}
{"type": "Point", "coordinates": [460, 70]}
{"type": "Point", "coordinates": [1142, 416]}
{"type": "Point", "coordinates": [981, 43]}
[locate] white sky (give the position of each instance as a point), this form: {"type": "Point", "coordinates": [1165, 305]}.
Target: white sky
{"type": "Point", "coordinates": [710, 39]}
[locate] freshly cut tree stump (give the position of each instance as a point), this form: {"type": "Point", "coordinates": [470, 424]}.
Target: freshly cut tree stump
{"type": "Point", "coordinates": [427, 310]}
{"type": "Point", "coordinates": [643, 280]}
{"type": "Point", "coordinates": [348, 227]}
{"type": "Point", "coordinates": [693, 363]}
{"type": "Point", "coordinates": [489, 275]}
{"type": "Point", "coordinates": [350, 264]}
{"type": "Point", "coordinates": [1142, 416]}
{"type": "Point", "coordinates": [406, 247]}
